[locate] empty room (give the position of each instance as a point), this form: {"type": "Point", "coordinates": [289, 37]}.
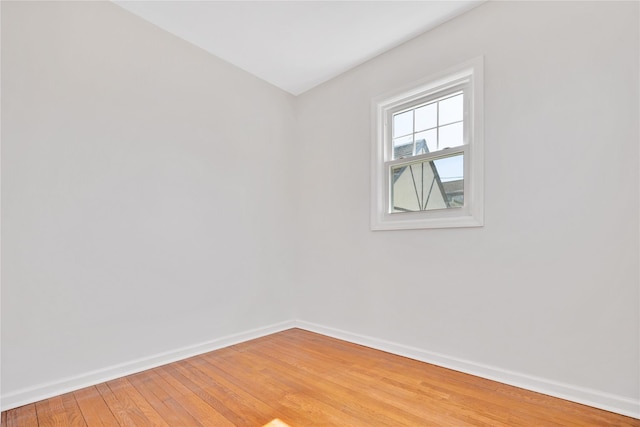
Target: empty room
{"type": "Point", "coordinates": [320, 213]}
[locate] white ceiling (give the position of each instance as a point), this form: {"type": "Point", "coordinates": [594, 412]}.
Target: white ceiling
{"type": "Point", "coordinates": [297, 45]}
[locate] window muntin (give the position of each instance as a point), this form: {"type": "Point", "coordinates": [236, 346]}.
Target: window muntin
{"type": "Point", "coordinates": [433, 129]}
{"type": "Point", "coordinates": [439, 122]}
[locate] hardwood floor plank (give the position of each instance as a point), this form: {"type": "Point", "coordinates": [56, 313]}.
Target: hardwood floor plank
{"type": "Point", "coordinates": [275, 374]}
{"type": "Point", "coordinates": [302, 379]}
{"type": "Point", "coordinates": [123, 408]}
{"type": "Point", "coordinates": [223, 401]}
{"type": "Point", "coordinates": [130, 397]}
{"type": "Point", "coordinates": [320, 413]}
{"type": "Point", "coordinates": [163, 403]}
{"type": "Point", "coordinates": [251, 389]}
{"type": "Point", "coordinates": [51, 413]}
{"type": "Point", "coordinates": [74, 415]}
{"type": "Point", "coordinates": [94, 410]}
{"type": "Point", "coordinates": [375, 399]}
{"type": "Point", "coordinates": [24, 416]}
{"type": "Point", "coordinates": [461, 389]}
{"type": "Point", "coordinates": [272, 386]}
{"type": "Point", "coordinates": [196, 401]}
{"type": "Point", "coordinates": [257, 387]}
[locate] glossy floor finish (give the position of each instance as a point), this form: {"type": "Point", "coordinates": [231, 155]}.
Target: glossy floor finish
{"type": "Point", "coordinates": [297, 378]}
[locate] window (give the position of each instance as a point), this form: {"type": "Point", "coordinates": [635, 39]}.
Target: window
{"type": "Point", "coordinates": [427, 153]}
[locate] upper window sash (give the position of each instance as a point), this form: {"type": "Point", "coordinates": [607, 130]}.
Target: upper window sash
{"type": "Point", "coordinates": [409, 104]}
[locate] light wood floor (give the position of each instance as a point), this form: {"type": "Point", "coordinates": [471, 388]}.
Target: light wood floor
{"type": "Point", "coordinates": [297, 378]}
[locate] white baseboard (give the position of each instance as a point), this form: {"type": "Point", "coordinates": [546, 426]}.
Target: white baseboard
{"type": "Point", "coordinates": [65, 385]}
{"type": "Point", "coordinates": [609, 402]}
{"type": "Point", "coordinates": [597, 399]}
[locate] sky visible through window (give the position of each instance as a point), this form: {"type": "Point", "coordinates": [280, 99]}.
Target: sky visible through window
{"type": "Point", "coordinates": [431, 127]}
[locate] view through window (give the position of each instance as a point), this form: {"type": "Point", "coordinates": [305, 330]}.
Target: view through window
{"type": "Point", "coordinates": [428, 128]}
{"type": "Point", "coordinates": [427, 154]}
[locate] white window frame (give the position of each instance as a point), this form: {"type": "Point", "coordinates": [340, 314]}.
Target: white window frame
{"type": "Point", "coordinates": [468, 76]}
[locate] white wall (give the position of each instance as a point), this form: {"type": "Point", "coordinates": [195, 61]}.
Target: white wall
{"type": "Point", "coordinates": [548, 288]}
{"type": "Point", "coordinates": [145, 199]}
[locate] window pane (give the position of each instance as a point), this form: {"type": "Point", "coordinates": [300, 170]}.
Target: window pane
{"type": "Point", "coordinates": [451, 136]}
{"type": "Point", "coordinates": [426, 117]}
{"type": "Point", "coordinates": [435, 184]}
{"type": "Point", "coordinates": [450, 168]}
{"type": "Point", "coordinates": [427, 142]}
{"type": "Point", "coordinates": [451, 110]}
{"type": "Point", "coordinates": [403, 147]}
{"type": "Point", "coordinates": [402, 124]}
